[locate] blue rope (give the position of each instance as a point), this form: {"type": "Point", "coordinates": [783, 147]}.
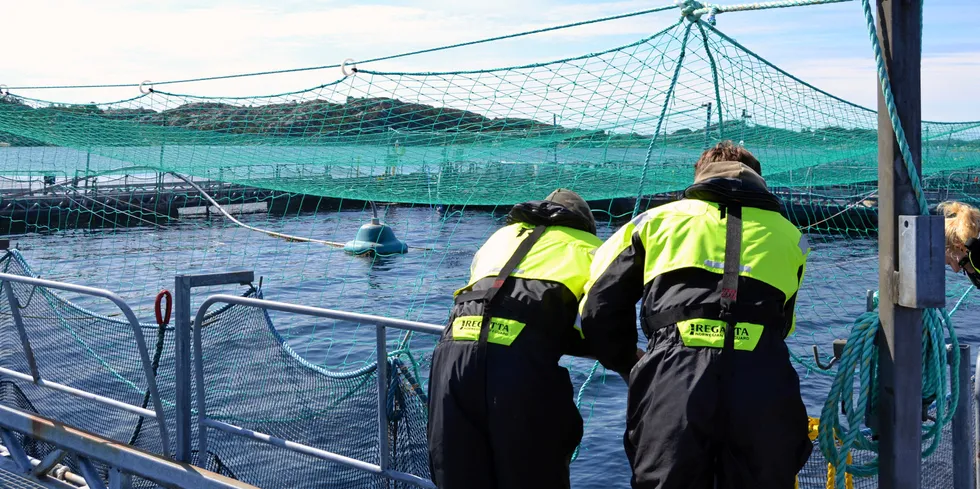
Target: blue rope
{"type": "Point", "coordinates": [372, 60]}
{"type": "Point", "coordinates": [714, 79]}
{"type": "Point", "coordinates": [886, 89]}
{"type": "Point", "coordinates": [578, 400]}
{"type": "Point", "coordinates": [660, 121]}
{"type": "Point", "coordinates": [693, 10]}
{"type": "Point", "coordinates": [861, 353]}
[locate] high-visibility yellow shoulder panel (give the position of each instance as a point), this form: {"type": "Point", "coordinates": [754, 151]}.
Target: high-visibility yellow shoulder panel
{"type": "Point", "coordinates": [691, 233]}
{"type": "Point", "coordinates": [562, 254]}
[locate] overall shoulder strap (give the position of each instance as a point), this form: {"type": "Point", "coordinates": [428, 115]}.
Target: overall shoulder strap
{"type": "Point", "coordinates": [487, 295]}
{"type": "Point", "coordinates": [733, 258]}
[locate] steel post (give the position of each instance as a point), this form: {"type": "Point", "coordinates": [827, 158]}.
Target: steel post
{"type": "Point", "coordinates": [183, 352]}
{"type": "Point", "coordinates": [383, 448]}
{"type": "Point", "coordinates": [900, 337]}
{"type": "Point", "coordinates": [182, 367]}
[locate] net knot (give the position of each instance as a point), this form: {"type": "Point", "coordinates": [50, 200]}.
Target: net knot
{"type": "Point", "coordinates": [692, 10]}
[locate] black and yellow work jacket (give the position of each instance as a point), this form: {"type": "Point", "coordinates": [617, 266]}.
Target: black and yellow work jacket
{"type": "Point", "coordinates": [673, 258]}
{"type": "Point", "coordinates": [537, 307]}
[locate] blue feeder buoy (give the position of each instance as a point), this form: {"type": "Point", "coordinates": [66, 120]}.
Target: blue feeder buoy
{"type": "Point", "coordinates": [375, 237]}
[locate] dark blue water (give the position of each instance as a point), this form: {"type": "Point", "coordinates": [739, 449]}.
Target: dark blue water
{"type": "Point", "coordinates": [137, 263]}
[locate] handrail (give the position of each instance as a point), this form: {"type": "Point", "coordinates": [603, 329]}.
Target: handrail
{"type": "Point", "coordinates": [380, 324]}
{"type": "Point", "coordinates": [317, 312]}
{"type": "Point", "coordinates": [117, 455]}
{"type": "Point", "coordinates": [157, 412]}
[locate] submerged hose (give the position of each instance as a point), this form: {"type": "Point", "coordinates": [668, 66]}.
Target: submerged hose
{"type": "Point", "coordinates": [274, 234]}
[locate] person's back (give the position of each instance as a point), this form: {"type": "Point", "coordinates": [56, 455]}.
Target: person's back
{"type": "Point", "coordinates": [502, 412]}
{"type": "Point", "coordinates": [702, 409]}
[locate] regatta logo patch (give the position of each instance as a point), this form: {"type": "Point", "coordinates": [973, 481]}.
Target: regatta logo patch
{"type": "Point", "coordinates": [712, 330]}
{"type": "Point", "coordinates": [711, 333]}
{"type": "Point", "coordinates": [502, 331]}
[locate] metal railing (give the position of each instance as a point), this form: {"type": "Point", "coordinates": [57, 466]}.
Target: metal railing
{"type": "Point", "coordinates": [380, 323]}
{"type": "Point", "coordinates": [35, 376]}
{"type": "Point", "coordinates": [121, 459]}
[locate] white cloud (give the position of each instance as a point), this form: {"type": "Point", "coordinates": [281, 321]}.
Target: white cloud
{"type": "Point", "coordinates": [113, 41]}
{"type": "Point", "coordinates": [947, 82]}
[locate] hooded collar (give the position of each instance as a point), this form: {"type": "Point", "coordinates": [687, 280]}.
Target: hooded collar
{"type": "Point", "coordinates": [547, 213]}
{"type": "Point", "coordinates": [732, 183]}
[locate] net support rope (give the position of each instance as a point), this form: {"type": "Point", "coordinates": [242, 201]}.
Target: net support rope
{"type": "Point", "coordinates": [372, 60]}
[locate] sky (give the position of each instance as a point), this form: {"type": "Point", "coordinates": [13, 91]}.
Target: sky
{"type": "Point", "coordinates": [60, 42]}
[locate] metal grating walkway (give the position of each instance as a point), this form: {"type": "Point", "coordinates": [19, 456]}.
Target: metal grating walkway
{"type": "Point", "coordinates": [10, 480]}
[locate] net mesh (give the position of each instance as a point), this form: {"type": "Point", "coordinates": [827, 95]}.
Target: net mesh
{"type": "Point", "coordinates": [90, 193]}
{"type": "Point", "coordinates": [255, 381]}
{"type": "Point", "coordinates": [288, 397]}
{"type": "Point", "coordinates": [626, 121]}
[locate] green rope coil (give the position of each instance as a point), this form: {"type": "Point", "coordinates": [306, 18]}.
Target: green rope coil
{"type": "Point", "coordinates": [861, 353]}
{"type": "Point", "coordinates": [860, 356]}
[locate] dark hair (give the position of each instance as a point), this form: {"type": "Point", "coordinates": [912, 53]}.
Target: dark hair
{"type": "Point", "coordinates": [728, 151]}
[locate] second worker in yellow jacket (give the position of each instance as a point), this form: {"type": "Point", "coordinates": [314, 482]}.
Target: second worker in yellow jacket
{"type": "Point", "coordinates": [714, 402]}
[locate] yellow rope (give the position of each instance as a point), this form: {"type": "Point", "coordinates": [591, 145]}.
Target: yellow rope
{"type": "Point", "coordinates": [813, 431]}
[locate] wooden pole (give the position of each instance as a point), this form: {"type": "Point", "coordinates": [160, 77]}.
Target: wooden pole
{"type": "Point", "coordinates": [899, 340]}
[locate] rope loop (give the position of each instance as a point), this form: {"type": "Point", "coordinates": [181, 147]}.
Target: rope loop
{"type": "Point", "coordinates": [148, 89]}
{"type": "Point", "coordinates": [343, 67]}
{"type": "Point", "coordinates": [163, 318]}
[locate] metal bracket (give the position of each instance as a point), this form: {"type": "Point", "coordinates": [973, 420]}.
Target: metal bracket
{"type": "Point", "coordinates": [50, 460]}
{"type": "Point", "coordinates": [921, 258]}
{"type": "Point", "coordinates": [223, 278]}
